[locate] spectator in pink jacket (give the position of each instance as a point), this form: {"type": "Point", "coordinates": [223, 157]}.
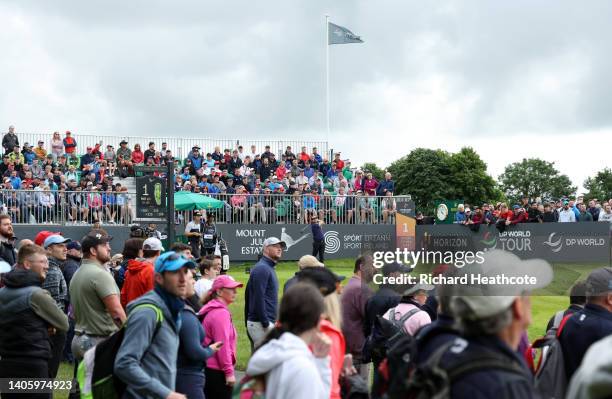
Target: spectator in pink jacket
{"type": "Point", "coordinates": [370, 184]}
{"type": "Point", "coordinates": [217, 322]}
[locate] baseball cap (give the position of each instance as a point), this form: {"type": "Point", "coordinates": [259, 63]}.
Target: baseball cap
{"type": "Point", "coordinates": [324, 279]}
{"type": "Point", "coordinates": [74, 245]}
{"type": "Point", "coordinates": [394, 267]}
{"type": "Point", "coordinates": [94, 238]}
{"type": "Point", "coordinates": [40, 238]}
{"type": "Point", "coordinates": [599, 281]}
{"type": "Point", "coordinates": [516, 206]}
{"type": "Point", "coordinates": [55, 239]}
{"type": "Point", "coordinates": [309, 261]}
{"type": "Point", "coordinates": [172, 261]}
{"type": "Point", "coordinates": [225, 281]}
{"type": "Point", "coordinates": [483, 300]}
{"type": "Point", "coordinates": [273, 241]}
{"type": "Point", "coordinates": [123, 142]}
{"type": "Point", "coordinates": [152, 243]}
{"type": "Point", "coordinates": [197, 213]}
{"type": "Point", "coordinates": [414, 288]}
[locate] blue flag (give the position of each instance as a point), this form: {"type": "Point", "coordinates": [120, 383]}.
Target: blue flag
{"type": "Point", "coordinates": [341, 35]}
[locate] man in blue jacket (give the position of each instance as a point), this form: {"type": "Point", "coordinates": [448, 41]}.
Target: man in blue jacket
{"type": "Point", "coordinates": [261, 297]}
{"type": "Point", "coordinates": [385, 185]}
{"type": "Point", "coordinates": [147, 358]}
{"type": "Point", "coordinates": [592, 323]}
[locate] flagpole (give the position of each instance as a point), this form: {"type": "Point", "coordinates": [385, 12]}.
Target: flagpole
{"type": "Point", "coordinates": [327, 74]}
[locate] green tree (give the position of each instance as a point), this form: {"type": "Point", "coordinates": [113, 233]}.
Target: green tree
{"type": "Point", "coordinates": [600, 185]}
{"type": "Point", "coordinates": [377, 172]}
{"type": "Point", "coordinates": [424, 174]}
{"type": "Point", "coordinates": [470, 180]}
{"type": "Point", "coordinates": [533, 178]}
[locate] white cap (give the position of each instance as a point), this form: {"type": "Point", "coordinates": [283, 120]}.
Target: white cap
{"type": "Point", "coordinates": [274, 241]}
{"type": "Point", "coordinates": [152, 243]}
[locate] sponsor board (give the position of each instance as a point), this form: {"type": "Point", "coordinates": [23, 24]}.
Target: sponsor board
{"type": "Point", "coordinates": [245, 241]}
{"type": "Point", "coordinates": [555, 242]}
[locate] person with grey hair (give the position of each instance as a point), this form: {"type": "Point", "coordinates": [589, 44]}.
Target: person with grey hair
{"type": "Point", "coordinates": [492, 313]}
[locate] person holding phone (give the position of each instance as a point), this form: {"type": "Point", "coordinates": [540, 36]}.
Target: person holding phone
{"type": "Point", "coordinates": [217, 323]}
{"type": "Point", "coordinates": [192, 354]}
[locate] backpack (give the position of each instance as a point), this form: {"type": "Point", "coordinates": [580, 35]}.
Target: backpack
{"type": "Point", "coordinates": [249, 388]}
{"type": "Point", "coordinates": [431, 381]}
{"type": "Point", "coordinates": [549, 373]}
{"type": "Point", "coordinates": [385, 333]}
{"type": "Point", "coordinates": [96, 372]}
{"type": "Point", "coordinates": [394, 372]}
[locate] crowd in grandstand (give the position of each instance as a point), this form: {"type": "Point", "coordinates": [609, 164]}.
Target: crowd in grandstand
{"type": "Point", "coordinates": [72, 186]}
{"type": "Point", "coordinates": [561, 211]}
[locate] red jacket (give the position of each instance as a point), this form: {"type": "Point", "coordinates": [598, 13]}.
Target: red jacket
{"type": "Point", "coordinates": [336, 353]}
{"type": "Point", "coordinates": [139, 279]}
{"type": "Point", "coordinates": [137, 156]}
{"type": "Point", "coordinates": [520, 217]}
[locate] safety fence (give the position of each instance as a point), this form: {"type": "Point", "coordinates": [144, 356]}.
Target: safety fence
{"type": "Point", "coordinates": [179, 145]}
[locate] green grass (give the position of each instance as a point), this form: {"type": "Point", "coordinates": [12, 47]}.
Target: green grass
{"type": "Point", "coordinates": [544, 303]}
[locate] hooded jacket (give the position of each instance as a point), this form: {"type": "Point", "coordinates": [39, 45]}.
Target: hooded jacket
{"type": "Point", "coordinates": [139, 279]}
{"type": "Point", "coordinates": [217, 323]}
{"type": "Point", "coordinates": [146, 364]}
{"type": "Point", "coordinates": [291, 370]}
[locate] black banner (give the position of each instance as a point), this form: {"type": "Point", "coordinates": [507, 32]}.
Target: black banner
{"type": "Point", "coordinates": [151, 198]}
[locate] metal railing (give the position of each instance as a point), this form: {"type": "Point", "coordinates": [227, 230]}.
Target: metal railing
{"type": "Point", "coordinates": [67, 207]}
{"type": "Point", "coordinates": [88, 207]}
{"type": "Point", "coordinates": [297, 208]}
{"type": "Point", "coordinates": [180, 146]}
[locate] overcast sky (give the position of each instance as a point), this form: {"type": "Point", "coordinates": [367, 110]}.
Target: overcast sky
{"type": "Point", "coordinates": [511, 79]}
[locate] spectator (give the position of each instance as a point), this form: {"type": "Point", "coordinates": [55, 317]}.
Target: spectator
{"type": "Point", "coordinates": [354, 298]}
{"type": "Point", "coordinates": [29, 319]}
{"type": "Point", "coordinates": [70, 143]}
{"type": "Point", "coordinates": [150, 152]}
{"type": "Point", "coordinates": [327, 282]}
{"type": "Point", "coordinates": [370, 184]}
{"type": "Point", "coordinates": [209, 235]}
{"type": "Point", "coordinates": [493, 324]}
{"type": "Point", "coordinates": [192, 353]}
{"type": "Point", "coordinates": [209, 271]}
{"type": "Point", "coordinates": [594, 210]}
{"type": "Point", "coordinates": [566, 214]}
{"type": "Point", "coordinates": [147, 359]}
{"type": "Point", "coordinates": [386, 185]}
{"type": "Point", "coordinates": [577, 299]}
{"type": "Point", "coordinates": [55, 245]}
{"type": "Point", "coordinates": [606, 214]}
{"type": "Point", "coordinates": [460, 217]}
{"type": "Point", "coordinates": [533, 213]}
{"type": "Point", "coordinates": [217, 322]}
{"type": "Point", "coordinates": [7, 250]}
{"type": "Point", "coordinates": [57, 146]}
{"type": "Point", "coordinates": [261, 297]}
{"type": "Point", "coordinates": [584, 216]}
{"type": "Point", "coordinates": [292, 370]}
{"type": "Point", "coordinates": [94, 295]}
{"type": "Point", "coordinates": [590, 324]}
{"type": "Point", "coordinates": [16, 156]}
{"type": "Point", "coordinates": [10, 140]}
{"type": "Point", "coordinates": [195, 158]}
{"type": "Point", "coordinates": [549, 216]}
{"type": "Point", "coordinates": [413, 298]}
{"type": "Point", "coordinates": [518, 216]}
{"type": "Point", "coordinates": [305, 261]}
{"type": "Point", "coordinates": [388, 206]}
{"type": "Point", "coordinates": [137, 155]}
{"type": "Point", "coordinates": [139, 277]}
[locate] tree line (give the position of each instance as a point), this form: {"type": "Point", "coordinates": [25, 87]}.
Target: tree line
{"type": "Point", "coordinates": [431, 175]}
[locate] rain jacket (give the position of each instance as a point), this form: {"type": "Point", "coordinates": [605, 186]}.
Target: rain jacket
{"type": "Point", "coordinates": [139, 279]}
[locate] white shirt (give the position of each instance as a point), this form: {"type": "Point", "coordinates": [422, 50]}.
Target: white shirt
{"type": "Point", "coordinates": [202, 286]}
{"type": "Point", "coordinates": [605, 217]}
{"type": "Point", "coordinates": [567, 215]}
{"type": "Point", "coordinates": [192, 226]}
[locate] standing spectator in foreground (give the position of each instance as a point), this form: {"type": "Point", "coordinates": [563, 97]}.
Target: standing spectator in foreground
{"type": "Point", "coordinates": [55, 283]}
{"type": "Point", "coordinates": [354, 298]}
{"type": "Point", "coordinates": [7, 249]}
{"type": "Point", "coordinates": [10, 140]}
{"type": "Point", "coordinates": [70, 143]}
{"type": "Point", "coordinates": [291, 368]}
{"type": "Point", "coordinates": [305, 261]}
{"type": "Point", "coordinates": [29, 317]}
{"type": "Point", "coordinates": [146, 360]}
{"type": "Point", "coordinates": [585, 215]}
{"type": "Point", "coordinates": [327, 281]}
{"type": "Point", "coordinates": [606, 214]}
{"type": "Point", "coordinates": [94, 295]}
{"type": "Point", "coordinates": [592, 323]}
{"type": "Point", "coordinates": [192, 353]}
{"type": "Point", "coordinates": [577, 299]}
{"type": "Point", "coordinates": [139, 278]}
{"type": "Point", "coordinates": [566, 214]}
{"type": "Point", "coordinates": [209, 272]}
{"type": "Point", "coordinates": [217, 322]}
{"type": "Point", "coordinates": [261, 297]}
